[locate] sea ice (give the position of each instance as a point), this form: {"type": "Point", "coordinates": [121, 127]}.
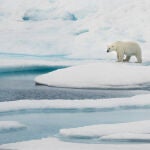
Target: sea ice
{"type": "Point", "coordinates": [130, 130]}
{"type": "Point", "coordinates": [139, 101]}
{"type": "Point", "coordinates": [97, 75]}
{"type": "Point", "coordinates": [55, 144]}
{"type": "Point", "coordinates": [10, 125]}
{"type": "Point", "coordinates": [53, 25]}
{"type": "Point", "coordinates": [127, 136]}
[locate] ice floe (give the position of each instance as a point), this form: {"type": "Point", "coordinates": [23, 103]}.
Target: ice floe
{"type": "Point", "coordinates": [55, 144]}
{"type": "Point", "coordinates": [139, 130]}
{"type": "Point", "coordinates": [97, 75]}
{"type": "Point", "coordinates": [140, 101]}
{"type": "Point", "coordinates": [10, 125]}
{"type": "Point", "coordinates": [135, 137]}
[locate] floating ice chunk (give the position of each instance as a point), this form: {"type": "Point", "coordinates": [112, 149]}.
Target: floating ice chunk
{"type": "Point", "coordinates": [10, 125]}
{"type": "Point", "coordinates": [140, 101]}
{"type": "Point", "coordinates": [97, 131]}
{"type": "Point", "coordinates": [97, 75]}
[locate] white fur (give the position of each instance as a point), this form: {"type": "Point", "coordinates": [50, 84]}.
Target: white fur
{"type": "Point", "coordinates": [127, 49]}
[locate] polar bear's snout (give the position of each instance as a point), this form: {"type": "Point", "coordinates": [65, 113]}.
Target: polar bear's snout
{"type": "Point", "coordinates": [108, 50]}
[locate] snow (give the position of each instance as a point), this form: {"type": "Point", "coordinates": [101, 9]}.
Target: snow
{"type": "Point", "coordinates": [55, 144]}
{"type": "Point", "coordinates": [134, 102]}
{"type": "Point", "coordinates": [131, 130]}
{"type": "Point", "coordinates": [97, 75]}
{"type": "Point", "coordinates": [10, 125]}
{"type": "Point", "coordinates": [52, 26]}
{"type": "Point", "coordinates": [32, 32]}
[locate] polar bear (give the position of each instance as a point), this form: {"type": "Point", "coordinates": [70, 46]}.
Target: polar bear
{"type": "Point", "coordinates": [127, 49]}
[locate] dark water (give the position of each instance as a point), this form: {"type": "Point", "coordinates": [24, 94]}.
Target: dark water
{"type": "Point", "coordinates": [18, 83]}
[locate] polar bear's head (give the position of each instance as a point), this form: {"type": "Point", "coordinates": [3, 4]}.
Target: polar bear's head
{"type": "Point", "coordinates": [112, 47]}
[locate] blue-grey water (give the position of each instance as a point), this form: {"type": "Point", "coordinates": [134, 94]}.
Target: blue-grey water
{"type": "Point", "coordinates": [18, 83]}
{"type": "Point", "coordinates": [40, 125]}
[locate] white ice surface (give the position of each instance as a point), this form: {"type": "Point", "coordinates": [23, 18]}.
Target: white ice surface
{"type": "Point", "coordinates": [139, 101]}
{"type": "Point", "coordinates": [55, 144]}
{"type": "Point", "coordinates": [10, 125]}
{"type": "Point", "coordinates": [50, 27]}
{"type": "Point", "coordinates": [97, 75]}
{"type": "Point", "coordinates": [132, 130]}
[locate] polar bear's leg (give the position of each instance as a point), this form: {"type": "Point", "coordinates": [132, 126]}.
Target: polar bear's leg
{"type": "Point", "coordinates": [127, 58]}
{"type": "Point", "coordinates": [120, 57]}
{"type": "Point", "coordinates": [139, 59]}
{"type": "Point", "coordinates": [139, 56]}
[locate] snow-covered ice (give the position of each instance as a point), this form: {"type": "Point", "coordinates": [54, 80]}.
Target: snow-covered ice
{"type": "Point", "coordinates": [131, 130]}
{"type": "Point", "coordinates": [140, 101]}
{"type": "Point", "coordinates": [76, 29]}
{"type": "Point", "coordinates": [55, 144]}
{"type": "Point", "coordinates": [10, 125]}
{"type": "Point", "coordinates": [97, 75]}
{"type": "Point", "coordinates": [32, 32]}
